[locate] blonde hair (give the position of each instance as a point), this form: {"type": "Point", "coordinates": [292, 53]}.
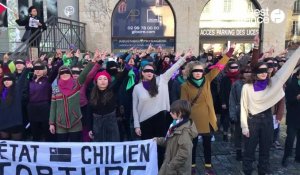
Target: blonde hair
{"type": "Point", "coordinates": [192, 64]}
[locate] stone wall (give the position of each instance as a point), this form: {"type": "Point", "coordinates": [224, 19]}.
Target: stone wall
{"type": "Point", "coordinates": [97, 14]}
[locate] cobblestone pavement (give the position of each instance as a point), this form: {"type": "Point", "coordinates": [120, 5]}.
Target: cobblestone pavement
{"type": "Point", "coordinates": [224, 163]}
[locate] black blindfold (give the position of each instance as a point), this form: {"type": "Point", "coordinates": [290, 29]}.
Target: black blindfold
{"type": "Point", "coordinates": [20, 62]}
{"type": "Point", "coordinates": [148, 71]}
{"type": "Point", "coordinates": [197, 70]}
{"type": "Point", "coordinates": [39, 68]}
{"type": "Point", "coordinates": [262, 70]}
{"type": "Point", "coordinates": [64, 71]}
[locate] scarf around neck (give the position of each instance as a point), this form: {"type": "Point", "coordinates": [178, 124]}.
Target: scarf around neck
{"type": "Point", "coordinates": [196, 83]}
{"type": "Point", "coordinates": [175, 124]}
{"type": "Point", "coordinates": [299, 82]}
{"type": "Point", "coordinates": [66, 86]}
{"type": "Point", "coordinates": [260, 85]}
{"type": "Point", "coordinates": [233, 76]}
{"type": "Point", "coordinates": [146, 85]}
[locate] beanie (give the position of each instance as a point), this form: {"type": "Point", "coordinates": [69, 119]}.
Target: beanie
{"type": "Point", "coordinates": [104, 73]}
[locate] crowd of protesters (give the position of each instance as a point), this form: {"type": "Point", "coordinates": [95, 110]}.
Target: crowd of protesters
{"type": "Point", "coordinates": [153, 93]}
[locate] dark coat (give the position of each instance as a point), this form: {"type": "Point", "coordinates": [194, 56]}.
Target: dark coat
{"type": "Point", "coordinates": [235, 100]}
{"type": "Point", "coordinates": [292, 104]}
{"type": "Point", "coordinates": [225, 88]}
{"type": "Point", "coordinates": [25, 22]}
{"type": "Point", "coordinates": [11, 115]}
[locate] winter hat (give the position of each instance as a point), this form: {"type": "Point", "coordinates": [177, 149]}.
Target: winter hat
{"type": "Point", "coordinates": [72, 47]}
{"type": "Point", "coordinates": [104, 73]}
{"type": "Point", "coordinates": [9, 76]}
{"type": "Point", "coordinates": [144, 63]}
{"type": "Point", "coordinates": [128, 58]}
{"type": "Point", "coordinates": [111, 64]}
{"type": "Point", "coordinates": [64, 69]}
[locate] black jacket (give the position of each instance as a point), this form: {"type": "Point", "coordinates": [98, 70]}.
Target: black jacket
{"type": "Point", "coordinates": [25, 22]}
{"type": "Point", "coordinates": [225, 88]}
{"type": "Point", "coordinates": [292, 104]}
{"type": "Point", "coordinates": [11, 115]}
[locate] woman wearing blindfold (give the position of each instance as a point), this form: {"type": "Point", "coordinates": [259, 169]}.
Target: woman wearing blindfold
{"type": "Point", "coordinates": [65, 114]}
{"type": "Point", "coordinates": [234, 108]}
{"type": "Point", "coordinates": [197, 91]}
{"type": "Point", "coordinates": [259, 94]}
{"type": "Point", "coordinates": [39, 101]}
{"type": "Point", "coordinates": [11, 120]}
{"type": "Point", "coordinates": [151, 101]}
{"type": "Point", "coordinates": [232, 74]}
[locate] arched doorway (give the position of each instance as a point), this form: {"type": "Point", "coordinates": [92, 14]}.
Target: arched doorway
{"type": "Point", "coordinates": [226, 21]}
{"type": "Point", "coordinates": [139, 23]}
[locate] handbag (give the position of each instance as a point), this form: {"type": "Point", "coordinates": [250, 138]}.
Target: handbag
{"type": "Point", "coordinates": [26, 35]}
{"type": "Point", "coordinates": [197, 96]}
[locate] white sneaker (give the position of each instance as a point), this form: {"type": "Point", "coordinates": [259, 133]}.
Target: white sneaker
{"type": "Point", "coordinates": [199, 138]}
{"type": "Point", "coordinates": [213, 138]}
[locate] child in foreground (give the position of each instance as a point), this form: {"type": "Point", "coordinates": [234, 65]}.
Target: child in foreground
{"type": "Point", "coordinates": [178, 141]}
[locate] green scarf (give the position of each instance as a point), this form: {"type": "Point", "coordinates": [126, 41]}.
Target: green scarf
{"type": "Point", "coordinates": [198, 82]}
{"type": "Point", "coordinates": [299, 82]}
{"type": "Point", "coordinates": [130, 82]}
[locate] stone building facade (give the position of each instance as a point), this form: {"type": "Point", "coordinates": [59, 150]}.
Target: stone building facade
{"type": "Point", "coordinates": [98, 16]}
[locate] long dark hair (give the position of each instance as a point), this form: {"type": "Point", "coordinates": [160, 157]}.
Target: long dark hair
{"type": "Point", "coordinates": [254, 77]}
{"type": "Point", "coordinates": [100, 97]}
{"type": "Point", "coordinates": [153, 89]}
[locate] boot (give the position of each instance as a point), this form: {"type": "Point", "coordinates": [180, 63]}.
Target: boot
{"type": "Point", "coordinates": [239, 156]}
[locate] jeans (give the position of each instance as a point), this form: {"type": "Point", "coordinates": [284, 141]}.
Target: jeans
{"type": "Point", "coordinates": [238, 136]}
{"type": "Point", "coordinates": [292, 132]}
{"type": "Point", "coordinates": [261, 132]}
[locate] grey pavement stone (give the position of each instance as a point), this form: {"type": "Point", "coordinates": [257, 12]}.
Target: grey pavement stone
{"type": "Point", "coordinates": [224, 163]}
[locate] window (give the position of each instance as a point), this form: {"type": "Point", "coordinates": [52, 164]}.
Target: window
{"type": "Point", "coordinates": [297, 7]}
{"type": "Point", "coordinates": [250, 6]}
{"type": "Point", "coordinates": [295, 30]}
{"type": "Point", "coordinates": [227, 6]}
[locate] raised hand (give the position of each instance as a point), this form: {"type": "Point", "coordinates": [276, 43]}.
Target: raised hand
{"type": "Point", "coordinates": [58, 53]}
{"type": "Point", "coordinates": [77, 54]}
{"type": "Point", "coordinates": [69, 54]}
{"type": "Point", "coordinates": [256, 40]}
{"type": "Point", "coordinates": [43, 57]}
{"type": "Point", "coordinates": [29, 64]}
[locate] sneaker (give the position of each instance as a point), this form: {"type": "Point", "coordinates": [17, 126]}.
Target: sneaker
{"type": "Point", "coordinates": [213, 138]}
{"type": "Point", "coordinates": [209, 171]}
{"type": "Point", "coordinates": [199, 138]}
{"type": "Point", "coordinates": [239, 156]}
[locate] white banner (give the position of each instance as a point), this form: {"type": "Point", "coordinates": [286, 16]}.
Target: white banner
{"type": "Point", "coordinates": [66, 158]}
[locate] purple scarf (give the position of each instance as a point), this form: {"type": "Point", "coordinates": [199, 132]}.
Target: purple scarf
{"type": "Point", "coordinates": [4, 93]}
{"type": "Point", "coordinates": [146, 85]}
{"type": "Point", "coordinates": [260, 85]}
